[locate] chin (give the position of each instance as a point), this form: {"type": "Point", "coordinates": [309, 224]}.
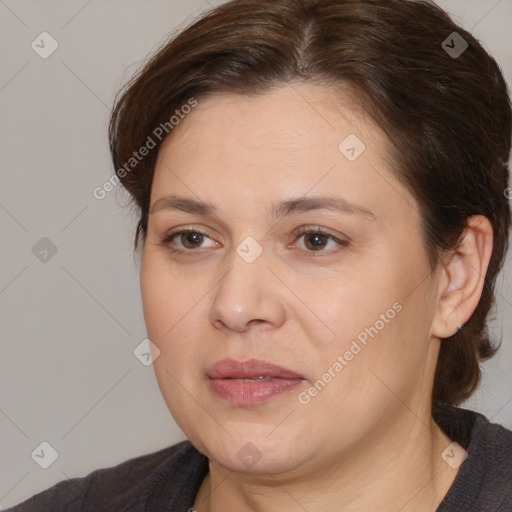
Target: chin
{"type": "Point", "coordinates": [252, 450]}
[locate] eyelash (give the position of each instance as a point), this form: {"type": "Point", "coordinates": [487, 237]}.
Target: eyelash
{"type": "Point", "coordinates": [305, 230]}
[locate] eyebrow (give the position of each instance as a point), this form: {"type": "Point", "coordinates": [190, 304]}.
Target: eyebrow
{"type": "Point", "coordinates": [286, 208]}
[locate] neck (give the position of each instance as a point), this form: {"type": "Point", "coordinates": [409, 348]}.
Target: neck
{"type": "Point", "coordinates": [400, 469]}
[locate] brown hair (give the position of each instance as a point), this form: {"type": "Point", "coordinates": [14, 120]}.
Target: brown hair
{"type": "Point", "coordinates": [447, 116]}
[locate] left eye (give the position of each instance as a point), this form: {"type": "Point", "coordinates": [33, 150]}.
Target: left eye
{"type": "Point", "coordinates": [315, 240]}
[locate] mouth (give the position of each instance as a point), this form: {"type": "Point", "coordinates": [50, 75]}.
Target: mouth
{"type": "Point", "coordinates": [251, 382]}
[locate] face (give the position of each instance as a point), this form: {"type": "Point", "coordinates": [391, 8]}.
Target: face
{"type": "Point", "coordinates": [275, 235]}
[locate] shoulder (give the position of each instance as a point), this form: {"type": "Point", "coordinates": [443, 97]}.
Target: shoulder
{"type": "Point", "coordinates": [131, 485]}
{"type": "Point", "coordinates": [484, 480]}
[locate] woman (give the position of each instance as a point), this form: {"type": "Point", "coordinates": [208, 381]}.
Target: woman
{"type": "Point", "coordinates": [323, 215]}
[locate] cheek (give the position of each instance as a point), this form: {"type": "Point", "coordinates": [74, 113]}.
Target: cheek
{"type": "Point", "coordinates": [167, 315]}
{"type": "Point", "coordinates": [380, 350]}
{"type": "Point", "coordinates": [154, 298]}
{"type": "Point", "coordinates": [175, 311]}
{"type": "Point", "coordinates": [343, 305]}
{"type": "Point", "coordinates": [373, 319]}
{"type": "Point", "coordinates": [165, 301]}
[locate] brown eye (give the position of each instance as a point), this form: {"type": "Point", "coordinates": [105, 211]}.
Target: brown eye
{"type": "Point", "coordinates": [186, 240]}
{"type": "Point", "coordinates": [315, 241]}
{"type": "Point", "coordinates": [191, 239]}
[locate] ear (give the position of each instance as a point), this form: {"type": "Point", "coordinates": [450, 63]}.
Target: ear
{"type": "Point", "coordinates": [462, 277]}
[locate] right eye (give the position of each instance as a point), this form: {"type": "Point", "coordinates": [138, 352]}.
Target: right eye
{"type": "Point", "coordinates": [188, 240]}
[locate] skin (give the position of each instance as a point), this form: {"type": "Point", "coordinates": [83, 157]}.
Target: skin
{"type": "Point", "coordinates": [367, 440]}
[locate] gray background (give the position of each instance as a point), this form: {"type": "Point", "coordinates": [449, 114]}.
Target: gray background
{"type": "Point", "coordinates": [70, 324]}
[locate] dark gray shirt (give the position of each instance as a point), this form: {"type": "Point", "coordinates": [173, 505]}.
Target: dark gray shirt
{"type": "Point", "coordinates": [168, 480]}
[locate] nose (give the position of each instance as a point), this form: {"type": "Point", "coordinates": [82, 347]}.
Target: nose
{"type": "Point", "coordinates": [248, 297]}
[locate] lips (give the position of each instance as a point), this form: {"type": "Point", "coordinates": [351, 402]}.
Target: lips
{"type": "Point", "coordinates": [251, 382]}
{"type": "Point", "coordinates": [250, 369]}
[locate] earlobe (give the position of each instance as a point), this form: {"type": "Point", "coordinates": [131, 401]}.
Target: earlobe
{"type": "Point", "coordinates": [460, 328]}
{"type": "Point", "coordinates": [463, 278]}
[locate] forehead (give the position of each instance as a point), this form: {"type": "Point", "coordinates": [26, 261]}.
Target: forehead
{"type": "Point", "coordinates": [291, 141]}
{"type": "Point", "coordinates": [293, 116]}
